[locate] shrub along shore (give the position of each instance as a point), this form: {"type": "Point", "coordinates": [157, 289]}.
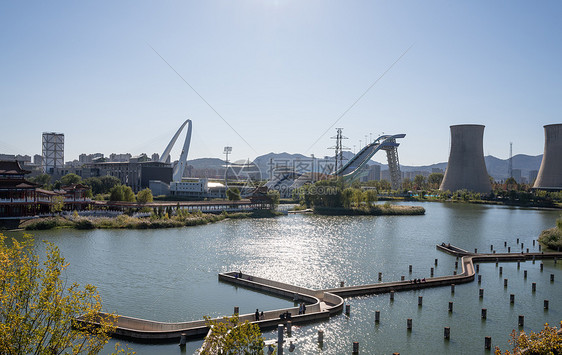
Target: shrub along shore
{"type": "Point", "coordinates": [552, 238]}
{"type": "Point", "coordinates": [128, 222]}
{"type": "Point", "coordinates": [376, 210]}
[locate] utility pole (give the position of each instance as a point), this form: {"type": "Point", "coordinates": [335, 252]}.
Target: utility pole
{"type": "Point", "coordinates": [227, 150]}
{"type": "Point", "coordinates": [510, 167]}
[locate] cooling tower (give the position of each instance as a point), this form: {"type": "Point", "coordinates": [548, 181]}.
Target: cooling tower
{"type": "Point", "coordinates": [466, 168]}
{"type": "Point", "coordinates": [550, 173]}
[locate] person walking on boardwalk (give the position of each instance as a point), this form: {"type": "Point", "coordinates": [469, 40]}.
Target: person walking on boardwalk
{"type": "Point", "coordinates": [257, 314]}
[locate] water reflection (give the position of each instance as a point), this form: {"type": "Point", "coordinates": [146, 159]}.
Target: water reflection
{"type": "Point", "coordinates": [171, 275]}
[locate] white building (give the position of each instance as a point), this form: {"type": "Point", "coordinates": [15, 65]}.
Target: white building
{"type": "Point", "coordinates": [53, 151]}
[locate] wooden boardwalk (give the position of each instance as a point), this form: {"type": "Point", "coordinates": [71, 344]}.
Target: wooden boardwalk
{"type": "Point", "coordinates": [321, 304]}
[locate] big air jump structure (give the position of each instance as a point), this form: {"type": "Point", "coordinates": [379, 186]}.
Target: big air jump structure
{"type": "Point", "coordinates": [550, 173]}
{"type": "Point", "coordinates": [466, 168]}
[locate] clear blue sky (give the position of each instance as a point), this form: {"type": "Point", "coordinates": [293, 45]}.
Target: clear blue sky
{"type": "Point", "coordinates": [280, 72]}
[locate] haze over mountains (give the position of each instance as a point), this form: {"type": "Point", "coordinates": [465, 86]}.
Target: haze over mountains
{"type": "Point", "coordinates": [497, 168]}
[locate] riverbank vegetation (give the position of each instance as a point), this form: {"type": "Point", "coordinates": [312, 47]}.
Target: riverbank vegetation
{"type": "Point", "coordinates": [552, 238]}
{"type": "Point", "coordinates": [330, 197]}
{"type": "Point", "coordinates": [547, 341]}
{"type": "Point", "coordinates": [231, 336]}
{"type": "Point", "coordinates": [154, 221]}
{"type": "Point", "coordinates": [39, 312]}
{"type": "Point", "coordinates": [507, 192]}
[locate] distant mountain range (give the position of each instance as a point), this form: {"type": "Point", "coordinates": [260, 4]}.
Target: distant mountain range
{"type": "Point", "coordinates": [497, 168]}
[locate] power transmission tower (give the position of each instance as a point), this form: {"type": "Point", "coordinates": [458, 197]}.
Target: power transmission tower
{"type": "Point", "coordinates": [339, 148]}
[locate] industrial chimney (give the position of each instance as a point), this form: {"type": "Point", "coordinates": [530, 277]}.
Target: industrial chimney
{"type": "Point", "coordinates": [550, 173]}
{"type": "Point", "coordinates": [466, 168]}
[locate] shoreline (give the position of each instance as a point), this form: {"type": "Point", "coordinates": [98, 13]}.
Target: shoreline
{"type": "Point", "coordinates": [376, 210]}
{"type": "Point", "coordinates": [128, 222]}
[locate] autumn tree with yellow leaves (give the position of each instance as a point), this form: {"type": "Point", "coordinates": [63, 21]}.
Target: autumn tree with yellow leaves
{"type": "Point", "coordinates": [38, 312]}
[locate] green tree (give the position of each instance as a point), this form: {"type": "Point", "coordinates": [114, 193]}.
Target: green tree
{"type": "Point", "coordinates": [95, 184]}
{"type": "Point", "coordinates": [547, 341]}
{"type": "Point", "coordinates": [233, 194]}
{"type": "Point", "coordinates": [70, 179]}
{"type": "Point", "coordinates": [121, 193]}
{"type": "Point", "coordinates": [419, 182]}
{"type": "Point", "coordinates": [274, 198]}
{"type": "Point", "coordinates": [57, 204]}
{"type": "Point", "coordinates": [434, 180]}
{"type": "Point", "coordinates": [369, 196]}
{"type": "Point", "coordinates": [38, 313]}
{"type": "Point", "coordinates": [107, 182]}
{"type": "Point", "coordinates": [42, 179]}
{"type": "Point", "coordinates": [232, 337]}
{"type": "Point", "coordinates": [145, 196]}
{"type": "Point", "coordinates": [347, 197]}
{"type": "Point", "coordinates": [116, 193]}
{"type": "Point", "coordinates": [128, 194]}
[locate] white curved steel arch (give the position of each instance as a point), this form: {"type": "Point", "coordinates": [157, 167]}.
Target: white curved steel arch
{"type": "Point", "coordinates": [182, 163]}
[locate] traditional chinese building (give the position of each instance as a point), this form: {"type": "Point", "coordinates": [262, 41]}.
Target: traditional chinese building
{"type": "Point", "coordinates": [19, 197]}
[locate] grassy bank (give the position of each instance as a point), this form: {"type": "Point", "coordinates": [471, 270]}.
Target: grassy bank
{"type": "Point", "coordinates": [552, 238]}
{"type": "Point", "coordinates": [376, 210]}
{"type": "Point", "coordinates": [128, 222]}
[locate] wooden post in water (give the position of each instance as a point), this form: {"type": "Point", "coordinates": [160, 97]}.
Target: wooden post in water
{"type": "Point", "coordinates": [392, 295]}
{"type": "Point", "coordinates": [320, 336]}
{"type": "Point", "coordinates": [450, 307]}
{"type": "Point", "coordinates": [534, 286]}
{"type": "Point", "coordinates": [525, 274]}
{"type": "Point", "coordinates": [280, 328]}
{"type": "Point", "coordinates": [484, 313]}
{"type": "Point", "coordinates": [501, 270]}
{"type": "Point", "coordinates": [236, 310]}
{"type": "Point", "coordinates": [435, 262]}
{"type": "Point", "coordinates": [521, 321]}
{"type": "Point", "coordinates": [512, 298]}
{"type": "Point", "coordinates": [342, 283]}
{"type": "Point", "coordinates": [431, 273]}
{"type": "Point", "coordinates": [545, 304]}
{"type": "Point", "coordinates": [377, 316]}
{"type": "Point", "coordinates": [481, 293]}
{"type": "Point", "coordinates": [409, 323]}
{"type": "Point", "coordinates": [410, 268]}
{"type": "Point", "coordinates": [355, 348]}
{"type": "Point", "coordinates": [447, 333]}
{"type": "Point", "coordinates": [183, 340]}
{"type": "Point", "coordinates": [380, 276]}
{"type": "Point", "coordinates": [452, 288]}
{"type": "Point", "coordinates": [487, 343]}
{"type": "Point", "coordinates": [347, 309]}
{"type": "Point", "coordinates": [504, 282]}
{"type": "Point", "coordinates": [479, 279]}
{"type": "Point", "coordinates": [542, 266]}
{"type": "Point", "coordinates": [420, 300]}
{"type": "Point", "coordinates": [551, 277]}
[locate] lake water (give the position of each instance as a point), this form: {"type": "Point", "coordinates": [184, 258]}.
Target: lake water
{"type": "Point", "coordinates": [171, 275]}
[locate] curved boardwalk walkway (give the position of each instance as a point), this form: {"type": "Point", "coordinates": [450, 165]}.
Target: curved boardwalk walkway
{"type": "Point", "coordinates": [321, 304]}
